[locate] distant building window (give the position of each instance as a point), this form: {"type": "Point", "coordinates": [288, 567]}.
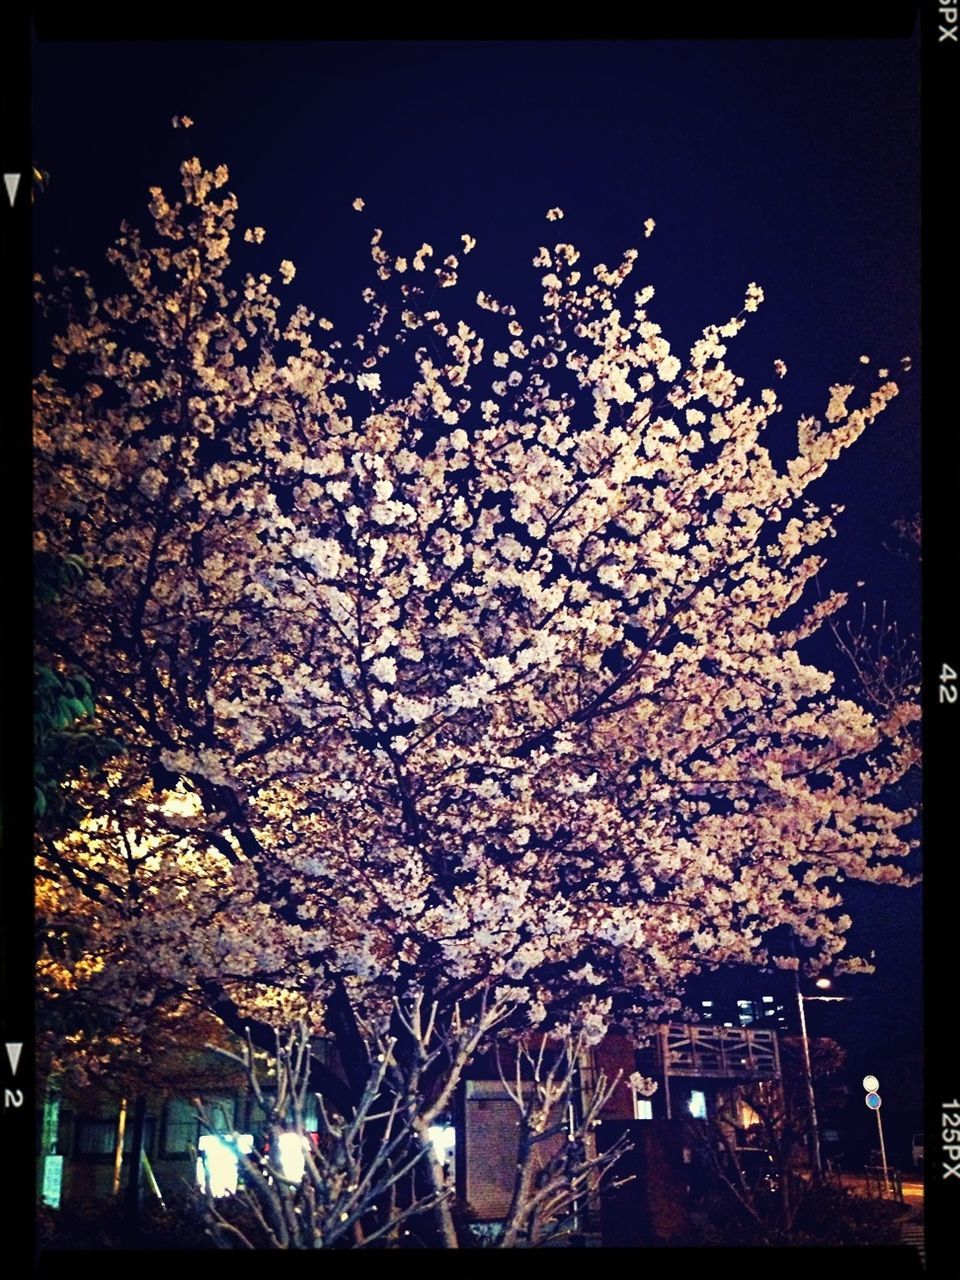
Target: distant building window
{"type": "Point", "coordinates": [311, 1113]}
{"type": "Point", "coordinates": [52, 1180]}
{"type": "Point", "coordinates": [697, 1104]}
{"type": "Point", "coordinates": [182, 1127]}
{"type": "Point", "coordinates": [221, 1113]}
{"type": "Point", "coordinates": [642, 1108]}
{"type": "Point", "coordinates": [257, 1119]}
{"type": "Point", "coordinates": [707, 1004]}
{"type": "Point", "coordinates": [767, 999]}
{"type": "Point", "coordinates": [96, 1137]}
{"type": "Point", "coordinates": [99, 1137]}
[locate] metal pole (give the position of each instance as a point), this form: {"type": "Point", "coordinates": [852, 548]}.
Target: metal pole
{"type": "Point", "coordinates": [814, 1133]}
{"type": "Point", "coordinates": [883, 1151]}
{"type": "Point", "coordinates": [151, 1178]}
{"type": "Point", "coordinates": [118, 1153]}
{"type": "Point", "coordinates": [132, 1193]}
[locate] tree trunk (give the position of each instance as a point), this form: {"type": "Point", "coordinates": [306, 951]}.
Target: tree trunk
{"type": "Point", "coordinates": [444, 1218]}
{"type": "Point", "coordinates": [519, 1207]}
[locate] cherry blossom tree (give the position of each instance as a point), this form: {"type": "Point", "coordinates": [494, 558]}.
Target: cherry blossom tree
{"type": "Point", "coordinates": [475, 649]}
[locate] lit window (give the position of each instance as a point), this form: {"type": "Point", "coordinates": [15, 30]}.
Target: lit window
{"type": "Point", "coordinates": [642, 1108]}
{"type": "Point", "coordinates": [747, 1118]}
{"type": "Point", "coordinates": [767, 999]}
{"type": "Point", "coordinates": [707, 1004]}
{"type": "Point", "coordinates": [217, 1161]}
{"type": "Point", "coordinates": [52, 1180]}
{"type": "Point", "coordinates": [443, 1139]}
{"type": "Point", "coordinates": [292, 1149]}
{"type": "Point", "coordinates": [744, 1004]}
{"type": "Point", "coordinates": [697, 1105]}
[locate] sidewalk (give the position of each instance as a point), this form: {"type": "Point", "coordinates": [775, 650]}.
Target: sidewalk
{"type": "Point", "coordinates": [912, 1189]}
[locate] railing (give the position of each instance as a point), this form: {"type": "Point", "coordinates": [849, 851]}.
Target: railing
{"type": "Point", "coordinates": [727, 1052]}
{"type": "Point", "coordinates": [884, 1184]}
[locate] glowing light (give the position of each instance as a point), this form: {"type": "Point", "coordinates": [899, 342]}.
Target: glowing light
{"type": "Point", "coordinates": [292, 1150]}
{"type": "Point", "coordinates": [697, 1106]}
{"type": "Point", "coordinates": [443, 1138]}
{"type": "Point", "coordinates": [217, 1161]}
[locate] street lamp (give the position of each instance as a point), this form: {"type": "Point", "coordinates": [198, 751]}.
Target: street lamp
{"type": "Point", "coordinates": [814, 1130]}
{"type": "Point", "coordinates": [824, 984]}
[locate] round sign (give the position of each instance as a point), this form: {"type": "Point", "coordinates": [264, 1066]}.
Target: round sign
{"type": "Point", "coordinates": [871, 1084]}
{"type": "Point", "coordinates": [873, 1101]}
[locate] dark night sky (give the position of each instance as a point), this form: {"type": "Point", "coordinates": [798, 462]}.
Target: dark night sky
{"type": "Point", "coordinates": [791, 163]}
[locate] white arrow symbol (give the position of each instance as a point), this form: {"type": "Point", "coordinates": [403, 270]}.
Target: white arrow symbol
{"type": "Point", "coordinates": [13, 1053]}
{"type": "Point", "coordinates": [11, 182]}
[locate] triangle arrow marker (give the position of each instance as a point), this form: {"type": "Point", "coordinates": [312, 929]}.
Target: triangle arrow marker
{"type": "Point", "coordinates": [13, 1053]}
{"type": "Point", "coordinates": [11, 182]}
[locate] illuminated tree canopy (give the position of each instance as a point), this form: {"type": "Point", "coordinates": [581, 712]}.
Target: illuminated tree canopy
{"type": "Point", "coordinates": [472, 649]}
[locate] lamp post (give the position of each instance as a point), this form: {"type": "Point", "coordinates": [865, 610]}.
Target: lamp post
{"type": "Point", "coordinates": [813, 1136]}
